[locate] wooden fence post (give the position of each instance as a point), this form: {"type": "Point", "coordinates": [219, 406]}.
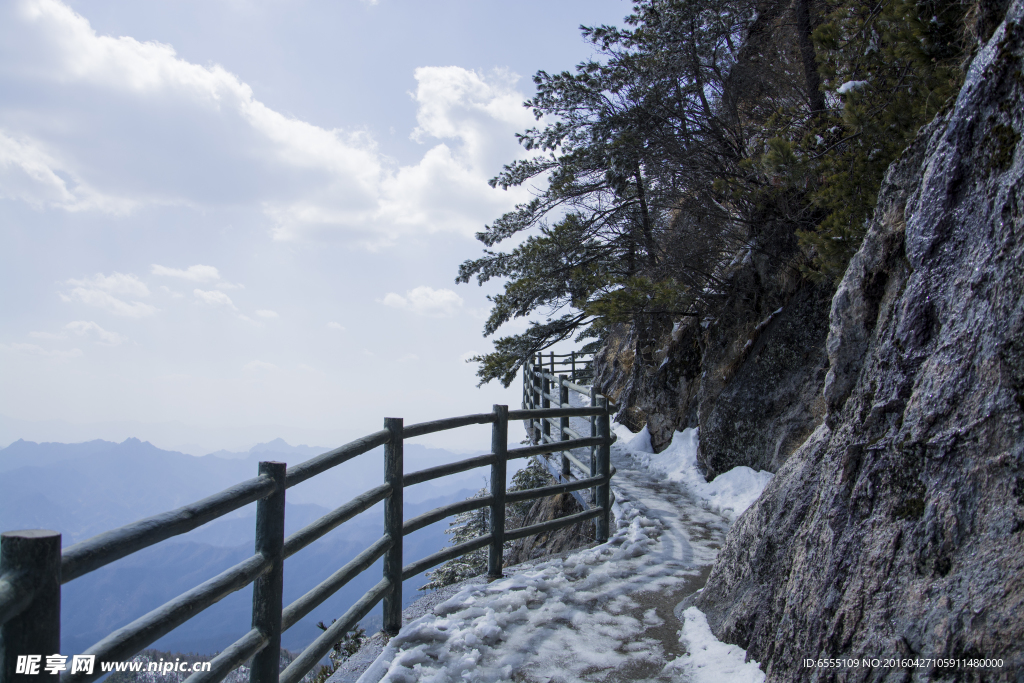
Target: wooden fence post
{"type": "Point", "coordinates": [603, 468]}
{"type": "Point", "coordinates": [593, 449]}
{"type": "Point", "coordinates": [267, 589]}
{"type": "Point", "coordinates": [538, 385]}
{"type": "Point", "coordinates": [393, 473]}
{"type": "Point", "coordinates": [32, 558]}
{"type": "Point", "coordinates": [499, 447]}
{"type": "Point", "coordinates": [572, 358]}
{"type": "Point", "coordinates": [545, 402]}
{"type": "Point", "coordinates": [527, 398]}
{"type": "Point", "coordinates": [563, 423]}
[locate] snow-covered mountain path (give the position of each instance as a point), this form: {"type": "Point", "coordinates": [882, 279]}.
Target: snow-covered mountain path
{"type": "Point", "coordinates": [604, 613]}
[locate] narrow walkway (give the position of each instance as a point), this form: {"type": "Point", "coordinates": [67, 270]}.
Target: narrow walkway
{"type": "Point", "coordinates": [604, 613]}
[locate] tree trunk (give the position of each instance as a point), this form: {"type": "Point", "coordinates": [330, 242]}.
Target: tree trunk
{"type": "Point", "coordinates": [802, 9]}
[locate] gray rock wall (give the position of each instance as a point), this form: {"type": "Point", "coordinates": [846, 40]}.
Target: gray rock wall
{"type": "Point", "coordinates": [897, 528]}
{"type": "Point", "coordinates": [751, 378]}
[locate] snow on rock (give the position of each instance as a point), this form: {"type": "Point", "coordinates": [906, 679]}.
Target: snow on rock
{"type": "Point", "coordinates": [708, 660]}
{"type": "Point", "coordinates": [730, 493]}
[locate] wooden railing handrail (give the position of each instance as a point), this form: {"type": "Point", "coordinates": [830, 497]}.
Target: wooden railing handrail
{"type": "Point", "coordinates": [93, 553]}
{"type": "Point", "coordinates": [27, 596]}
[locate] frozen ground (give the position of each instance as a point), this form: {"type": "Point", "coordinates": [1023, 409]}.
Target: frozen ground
{"type": "Point", "coordinates": [730, 493]}
{"type": "Point", "coordinates": [604, 613]}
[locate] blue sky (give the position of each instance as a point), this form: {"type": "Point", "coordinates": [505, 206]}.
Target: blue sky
{"type": "Point", "coordinates": [231, 220]}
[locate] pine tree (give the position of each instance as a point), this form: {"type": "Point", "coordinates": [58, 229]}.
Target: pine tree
{"type": "Point", "coordinates": [465, 527]}
{"type": "Point", "coordinates": [340, 651]}
{"type": "Point", "coordinates": [636, 140]}
{"type": "Point", "coordinates": [703, 127]}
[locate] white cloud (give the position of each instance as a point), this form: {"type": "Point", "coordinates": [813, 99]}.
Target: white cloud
{"type": "Point", "coordinates": [30, 174]}
{"type": "Point", "coordinates": [335, 326]}
{"type": "Point", "coordinates": [214, 298]}
{"type": "Point", "coordinates": [436, 303]}
{"type": "Point", "coordinates": [197, 273]}
{"type": "Point", "coordinates": [264, 313]}
{"type": "Point", "coordinates": [345, 185]}
{"type": "Point", "coordinates": [83, 328]}
{"type": "Point", "coordinates": [34, 350]}
{"type": "Point", "coordinates": [115, 283]}
{"type": "Point", "coordinates": [171, 292]}
{"type": "Point", "coordinates": [51, 336]}
{"type": "Point", "coordinates": [259, 365]}
{"type": "Point", "coordinates": [100, 290]}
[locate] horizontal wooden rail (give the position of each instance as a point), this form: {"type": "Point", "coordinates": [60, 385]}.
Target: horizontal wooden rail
{"type": "Point", "coordinates": [311, 532]}
{"type": "Point", "coordinates": [16, 592]}
{"type": "Point", "coordinates": [321, 463]}
{"type": "Point", "coordinates": [420, 476]}
{"type": "Point", "coordinates": [231, 657]}
{"type": "Point", "coordinates": [543, 448]}
{"type": "Point", "coordinates": [411, 570]}
{"type": "Point", "coordinates": [552, 397]}
{"type": "Point", "coordinates": [573, 434]}
{"type": "Point", "coordinates": [302, 664]}
{"type": "Point", "coordinates": [448, 423]}
{"type": "Point", "coordinates": [567, 430]}
{"type": "Point", "coordinates": [578, 388]}
{"type": "Point", "coordinates": [565, 452]}
{"type": "Point", "coordinates": [539, 413]}
{"type": "Point", "coordinates": [332, 584]}
{"type": "Point", "coordinates": [437, 514]}
{"type": "Point", "coordinates": [543, 527]}
{"type": "Point", "coordinates": [532, 494]}
{"type": "Point", "coordinates": [21, 597]}
{"type": "Point", "coordinates": [147, 629]}
{"type": "Point", "coordinates": [93, 553]}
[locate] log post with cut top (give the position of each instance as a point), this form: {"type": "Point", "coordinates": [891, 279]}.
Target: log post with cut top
{"type": "Point", "coordinates": [268, 589]}
{"type": "Point", "coordinates": [499, 448]}
{"type": "Point", "coordinates": [393, 472]}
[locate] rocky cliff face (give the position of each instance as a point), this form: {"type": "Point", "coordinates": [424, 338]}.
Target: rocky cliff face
{"type": "Point", "coordinates": [751, 378]}
{"type": "Point", "coordinates": [897, 528]}
{"type": "Point", "coordinates": [554, 542]}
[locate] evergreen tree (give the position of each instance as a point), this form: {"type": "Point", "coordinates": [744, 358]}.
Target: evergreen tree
{"type": "Point", "coordinates": [340, 651]}
{"type": "Point", "coordinates": [636, 140]}
{"type": "Point", "coordinates": [464, 527]}
{"type": "Point", "coordinates": [703, 127]}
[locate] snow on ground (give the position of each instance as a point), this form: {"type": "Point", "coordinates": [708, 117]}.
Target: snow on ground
{"type": "Point", "coordinates": [709, 660]}
{"type": "Point", "coordinates": [599, 614]}
{"type": "Point", "coordinates": [730, 493]}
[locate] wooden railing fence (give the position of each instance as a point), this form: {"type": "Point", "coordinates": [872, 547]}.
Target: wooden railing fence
{"type": "Point", "coordinates": [539, 392]}
{"type": "Point", "coordinates": [33, 567]}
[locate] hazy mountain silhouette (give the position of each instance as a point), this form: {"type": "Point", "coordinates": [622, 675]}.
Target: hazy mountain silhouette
{"type": "Point", "coordinates": [87, 488]}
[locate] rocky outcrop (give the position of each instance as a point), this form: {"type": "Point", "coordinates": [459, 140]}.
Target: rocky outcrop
{"type": "Point", "coordinates": [751, 377]}
{"type": "Point", "coordinates": [897, 528]}
{"type": "Point", "coordinates": [553, 542]}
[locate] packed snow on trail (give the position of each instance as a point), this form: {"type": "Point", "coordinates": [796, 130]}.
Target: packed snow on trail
{"type": "Point", "coordinates": [730, 493]}
{"type": "Point", "coordinates": [602, 613]}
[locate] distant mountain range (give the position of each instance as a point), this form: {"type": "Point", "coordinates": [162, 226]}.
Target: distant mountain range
{"type": "Point", "coordinates": [86, 488]}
